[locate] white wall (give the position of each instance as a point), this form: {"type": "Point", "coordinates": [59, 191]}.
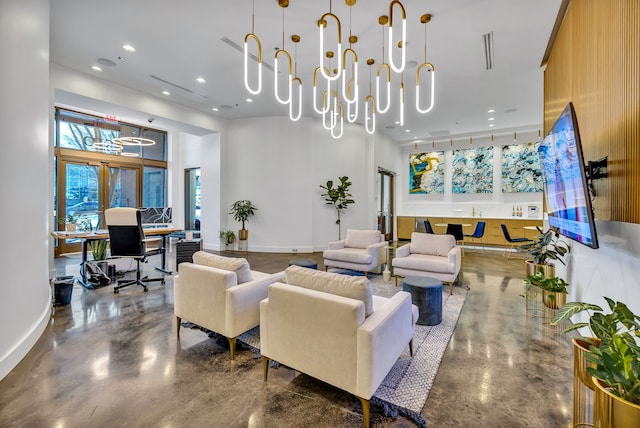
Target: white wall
{"type": "Point", "coordinates": [611, 270]}
{"type": "Point", "coordinates": [25, 166]}
{"type": "Point", "coordinates": [492, 205]}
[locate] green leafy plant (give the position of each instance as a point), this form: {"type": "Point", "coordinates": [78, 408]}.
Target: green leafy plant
{"type": "Point", "coordinates": [552, 284]}
{"type": "Point", "coordinates": [99, 249]}
{"type": "Point", "coordinates": [69, 219]}
{"type": "Point", "coordinates": [242, 210]}
{"type": "Point", "coordinates": [545, 248]}
{"type": "Point", "coordinates": [338, 196]}
{"type": "Point", "coordinates": [228, 235]}
{"type": "Point", "coordinates": [617, 359]}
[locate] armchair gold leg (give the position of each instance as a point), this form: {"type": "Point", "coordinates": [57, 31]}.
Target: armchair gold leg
{"type": "Point", "coordinates": [178, 320]}
{"type": "Point", "coordinates": [366, 415]}
{"type": "Point", "coordinates": [411, 347]}
{"type": "Point", "coordinates": [232, 347]}
{"type": "Point", "coordinates": [366, 275]}
{"type": "Point", "coordinates": [265, 367]}
{"type": "Point", "coordinates": [451, 288]}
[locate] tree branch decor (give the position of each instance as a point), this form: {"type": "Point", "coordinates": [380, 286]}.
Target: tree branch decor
{"type": "Point", "coordinates": [339, 197]}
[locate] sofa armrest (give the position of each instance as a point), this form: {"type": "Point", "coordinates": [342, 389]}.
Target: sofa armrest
{"type": "Point", "coordinates": [455, 257]}
{"type": "Point", "coordinates": [336, 245]}
{"type": "Point", "coordinates": [243, 303]}
{"type": "Point", "coordinates": [377, 252]}
{"type": "Point", "coordinates": [403, 251]}
{"type": "Point", "coordinates": [381, 339]}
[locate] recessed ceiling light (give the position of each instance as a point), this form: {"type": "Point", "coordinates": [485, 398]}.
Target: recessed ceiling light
{"type": "Point", "coordinates": [215, 109]}
{"type": "Point", "coordinates": [397, 122]}
{"type": "Point", "coordinates": [201, 80]}
{"type": "Point", "coordinates": [407, 130]}
{"type": "Point", "coordinates": [492, 118]}
{"type": "Point", "coordinates": [128, 48]}
{"type": "Point", "coordinates": [166, 93]}
{"type": "Point", "coordinates": [249, 100]}
{"type": "Point", "coordinates": [491, 125]}
{"type": "Point", "coordinates": [96, 68]}
{"type": "Point", "coordinates": [491, 111]}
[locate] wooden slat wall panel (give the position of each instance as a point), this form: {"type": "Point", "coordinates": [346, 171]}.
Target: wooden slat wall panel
{"type": "Point", "coordinates": [595, 63]}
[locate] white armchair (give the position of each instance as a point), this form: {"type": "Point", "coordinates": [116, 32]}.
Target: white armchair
{"type": "Point", "coordinates": [221, 294]}
{"type": "Point", "coordinates": [436, 256]}
{"type": "Point", "coordinates": [331, 327]}
{"type": "Point", "coordinates": [361, 250]}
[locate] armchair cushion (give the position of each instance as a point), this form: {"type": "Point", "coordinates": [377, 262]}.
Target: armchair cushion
{"type": "Point", "coordinates": [361, 238]}
{"type": "Point", "coordinates": [433, 245]}
{"type": "Point", "coordinates": [353, 287]}
{"type": "Point", "coordinates": [239, 266]}
{"type": "Point", "coordinates": [351, 255]}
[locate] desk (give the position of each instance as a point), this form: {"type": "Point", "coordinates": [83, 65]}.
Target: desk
{"type": "Point", "coordinates": [99, 235]}
{"type": "Point", "coordinates": [531, 227]}
{"type": "Point", "coordinates": [447, 224]}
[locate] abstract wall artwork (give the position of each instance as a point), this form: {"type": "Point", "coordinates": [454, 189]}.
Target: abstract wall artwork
{"type": "Point", "coordinates": [521, 170]}
{"type": "Point", "coordinates": [472, 170]}
{"type": "Point", "coordinates": [426, 173]}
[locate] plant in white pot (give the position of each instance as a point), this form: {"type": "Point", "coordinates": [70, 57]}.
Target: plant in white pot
{"type": "Point", "coordinates": [241, 211]}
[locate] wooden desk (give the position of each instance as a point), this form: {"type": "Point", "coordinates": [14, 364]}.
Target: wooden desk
{"type": "Point", "coordinates": [530, 227]}
{"type": "Point", "coordinates": [447, 224]}
{"type": "Point", "coordinates": [98, 235]}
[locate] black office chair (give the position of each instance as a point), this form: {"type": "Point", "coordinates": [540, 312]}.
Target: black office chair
{"type": "Point", "coordinates": [512, 241]}
{"type": "Point", "coordinates": [127, 240]}
{"type": "Point", "coordinates": [478, 233]}
{"type": "Point", "coordinates": [427, 227]}
{"type": "Point", "coordinates": [456, 230]}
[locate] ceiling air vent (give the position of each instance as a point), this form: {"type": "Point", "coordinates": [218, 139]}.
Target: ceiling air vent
{"type": "Point", "coordinates": [488, 49]}
{"type": "Point", "coordinates": [240, 49]}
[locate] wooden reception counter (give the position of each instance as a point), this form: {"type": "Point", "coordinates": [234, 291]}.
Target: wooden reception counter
{"type": "Point", "coordinates": [492, 234]}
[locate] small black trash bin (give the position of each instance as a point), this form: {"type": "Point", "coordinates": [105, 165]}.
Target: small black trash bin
{"type": "Point", "coordinates": [62, 289]}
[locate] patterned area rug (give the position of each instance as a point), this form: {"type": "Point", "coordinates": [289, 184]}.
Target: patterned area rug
{"type": "Point", "coordinates": [406, 388]}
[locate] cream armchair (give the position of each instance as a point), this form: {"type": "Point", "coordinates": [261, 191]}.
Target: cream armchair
{"type": "Point", "coordinates": [221, 294]}
{"type": "Point", "coordinates": [331, 327]}
{"type": "Point", "coordinates": [436, 256]}
{"type": "Point", "coordinates": [361, 250]}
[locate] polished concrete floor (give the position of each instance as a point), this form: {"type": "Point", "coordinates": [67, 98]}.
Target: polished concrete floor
{"type": "Point", "coordinates": [110, 360]}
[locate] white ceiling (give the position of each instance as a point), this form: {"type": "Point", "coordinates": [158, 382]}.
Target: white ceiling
{"type": "Point", "coordinates": [178, 41]}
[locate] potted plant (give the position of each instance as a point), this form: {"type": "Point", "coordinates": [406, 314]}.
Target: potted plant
{"type": "Point", "coordinates": [228, 236]}
{"type": "Point", "coordinates": [612, 359]}
{"type": "Point", "coordinates": [69, 222]}
{"type": "Point", "coordinates": [554, 289]}
{"type": "Point", "coordinates": [241, 211]}
{"type": "Point", "coordinates": [546, 248]}
{"type": "Point", "coordinates": [338, 196]}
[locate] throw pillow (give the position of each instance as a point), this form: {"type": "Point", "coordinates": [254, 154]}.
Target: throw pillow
{"type": "Point", "coordinates": [430, 244]}
{"type": "Point", "coordinates": [361, 238]}
{"type": "Point", "coordinates": [353, 287]}
{"type": "Point", "coordinates": [238, 265]}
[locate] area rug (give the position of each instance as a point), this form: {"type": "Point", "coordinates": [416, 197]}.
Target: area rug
{"type": "Point", "coordinates": [406, 388]}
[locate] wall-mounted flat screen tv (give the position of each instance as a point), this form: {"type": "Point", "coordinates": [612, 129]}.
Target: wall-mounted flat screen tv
{"type": "Point", "coordinates": [565, 182]}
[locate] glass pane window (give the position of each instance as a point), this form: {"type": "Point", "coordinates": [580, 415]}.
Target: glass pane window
{"type": "Point", "coordinates": [158, 150]}
{"type": "Point", "coordinates": [154, 187]}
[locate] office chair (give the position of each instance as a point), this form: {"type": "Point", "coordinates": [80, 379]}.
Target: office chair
{"type": "Point", "coordinates": [478, 233]}
{"type": "Point", "coordinates": [512, 241]}
{"type": "Point", "coordinates": [427, 227]}
{"type": "Point", "coordinates": [127, 240]}
{"type": "Point", "coordinates": [456, 230]}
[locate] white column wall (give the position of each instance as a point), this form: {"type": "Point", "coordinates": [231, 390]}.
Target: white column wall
{"type": "Point", "coordinates": [25, 167]}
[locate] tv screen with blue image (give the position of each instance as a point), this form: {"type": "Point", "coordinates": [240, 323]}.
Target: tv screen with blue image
{"type": "Point", "coordinates": [568, 203]}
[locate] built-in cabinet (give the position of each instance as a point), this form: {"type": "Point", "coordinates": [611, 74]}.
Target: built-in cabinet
{"type": "Point", "coordinates": [492, 235]}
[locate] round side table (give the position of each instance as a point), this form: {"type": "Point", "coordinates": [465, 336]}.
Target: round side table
{"type": "Point", "coordinates": [426, 294]}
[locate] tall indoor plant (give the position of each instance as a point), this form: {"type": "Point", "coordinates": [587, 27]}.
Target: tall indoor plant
{"type": "Point", "coordinates": [241, 211]}
{"type": "Point", "coordinates": [546, 248]}
{"type": "Point", "coordinates": [338, 196]}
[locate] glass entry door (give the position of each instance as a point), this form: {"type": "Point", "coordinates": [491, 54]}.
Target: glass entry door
{"type": "Point", "coordinates": [86, 189]}
{"type": "Point", "coordinates": [386, 203]}
{"type": "Point", "coordinates": [192, 199]}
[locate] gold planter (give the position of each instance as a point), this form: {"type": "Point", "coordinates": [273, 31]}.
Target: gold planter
{"type": "Point", "coordinates": [243, 234]}
{"type": "Point", "coordinates": [582, 384]}
{"type": "Point", "coordinates": [548, 270]}
{"type": "Point", "coordinates": [553, 299]}
{"type": "Point", "coordinates": [611, 411]}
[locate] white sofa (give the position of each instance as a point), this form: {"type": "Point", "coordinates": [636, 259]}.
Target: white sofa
{"type": "Point", "coordinates": [221, 294]}
{"type": "Point", "coordinates": [332, 327]}
{"type": "Point", "coordinates": [436, 256]}
{"type": "Point", "coordinates": [361, 250]}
